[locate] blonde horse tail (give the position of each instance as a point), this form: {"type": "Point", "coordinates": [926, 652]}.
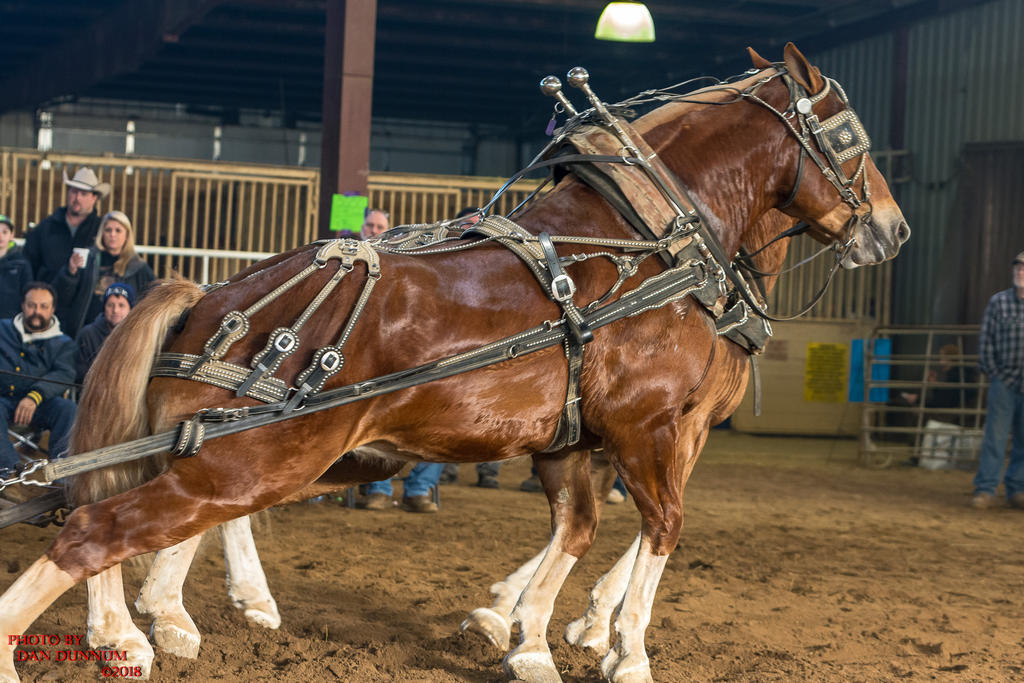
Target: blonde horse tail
{"type": "Point", "coordinates": [113, 408]}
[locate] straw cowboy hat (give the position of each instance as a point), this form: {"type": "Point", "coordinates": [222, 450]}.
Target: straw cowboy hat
{"type": "Point", "coordinates": [86, 180]}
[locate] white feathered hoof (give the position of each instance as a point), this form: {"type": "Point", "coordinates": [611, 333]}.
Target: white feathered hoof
{"type": "Point", "coordinates": [596, 639]}
{"type": "Point", "coordinates": [532, 667]}
{"type": "Point", "coordinates": [138, 653]}
{"type": "Point", "coordinates": [263, 614]}
{"type": "Point", "coordinates": [629, 669]}
{"type": "Point", "coordinates": [141, 658]}
{"type": "Point", "coordinates": [179, 636]}
{"type": "Point", "coordinates": [490, 625]}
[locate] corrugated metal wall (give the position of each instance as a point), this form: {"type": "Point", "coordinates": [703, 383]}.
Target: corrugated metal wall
{"type": "Point", "coordinates": [965, 84]}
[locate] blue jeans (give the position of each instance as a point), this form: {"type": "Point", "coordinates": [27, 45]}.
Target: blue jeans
{"type": "Point", "coordinates": [1005, 418]}
{"type": "Point", "coordinates": [419, 482]}
{"type": "Point", "coordinates": [483, 469]}
{"type": "Point", "coordinates": [56, 414]}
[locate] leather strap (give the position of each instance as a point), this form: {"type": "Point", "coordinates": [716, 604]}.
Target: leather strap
{"type": "Point", "coordinates": [569, 427]}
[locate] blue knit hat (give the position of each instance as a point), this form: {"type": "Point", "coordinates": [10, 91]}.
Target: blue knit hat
{"type": "Point", "coordinates": [120, 289]}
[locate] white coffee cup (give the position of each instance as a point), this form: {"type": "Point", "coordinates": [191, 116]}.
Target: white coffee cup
{"type": "Point", "coordinates": [84, 253]}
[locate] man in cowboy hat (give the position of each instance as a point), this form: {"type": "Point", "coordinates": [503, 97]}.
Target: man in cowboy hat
{"type": "Point", "coordinates": [49, 245]}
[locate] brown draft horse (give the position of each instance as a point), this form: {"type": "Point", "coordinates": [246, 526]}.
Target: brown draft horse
{"type": "Point", "coordinates": [174, 631]}
{"type": "Point", "coordinates": [645, 392]}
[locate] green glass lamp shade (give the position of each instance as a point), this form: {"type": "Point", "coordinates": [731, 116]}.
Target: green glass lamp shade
{"type": "Point", "coordinates": [628, 22]}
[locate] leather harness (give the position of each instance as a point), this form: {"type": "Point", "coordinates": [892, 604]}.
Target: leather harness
{"type": "Point", "coordinates": [610, 157]}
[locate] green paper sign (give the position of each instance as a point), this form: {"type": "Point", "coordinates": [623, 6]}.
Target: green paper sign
{"type": "Point", "coordinates": [347, 213]}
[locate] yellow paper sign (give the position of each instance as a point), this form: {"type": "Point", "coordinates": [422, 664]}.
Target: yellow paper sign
{"type": "Point", "coordinates": [825, 373]}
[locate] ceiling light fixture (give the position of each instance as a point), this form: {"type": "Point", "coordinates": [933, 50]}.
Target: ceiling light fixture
{"type": "Point", "coordinates": [628, 22]}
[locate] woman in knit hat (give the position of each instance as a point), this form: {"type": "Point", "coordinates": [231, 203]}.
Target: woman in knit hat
{"type": "Point", "coordinates": [118, 300]}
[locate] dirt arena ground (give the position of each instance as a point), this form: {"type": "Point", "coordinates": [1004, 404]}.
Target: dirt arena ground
{"type": "Point", "coordinates": [796, 564]}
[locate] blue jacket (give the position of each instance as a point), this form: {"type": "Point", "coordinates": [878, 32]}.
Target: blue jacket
{"type": "Point", "coordinates": [49, 355]}
{"type": "Point", "coordinates": [15, 273]}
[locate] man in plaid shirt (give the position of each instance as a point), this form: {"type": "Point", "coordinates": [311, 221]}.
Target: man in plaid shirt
{"type": "Point", "coordinates": [1001, 358]}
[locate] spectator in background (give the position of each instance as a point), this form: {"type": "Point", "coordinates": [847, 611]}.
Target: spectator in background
{"type": "Point", "coordinates": [117, 303]}
{"type": "Point", "coordinates": [1001, 358]}
{"type": "Point", "coordinates": [48, 246]}
{"type": "Point", "coordinates": [39, 363]}
{"type": "Point", "coordinates": [15, 271]}
{"type": "Point", "coordinates": [83, 281]}
{"type": "Point", "coordinates": [375, 223]}
{"type": "Point", "coordinates": [486, 472]}
{"type": "Point", "coordinates": [416, 495]}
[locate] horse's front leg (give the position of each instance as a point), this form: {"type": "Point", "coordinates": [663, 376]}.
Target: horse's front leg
{"type": "Point", "coordinates": [592, 630]}
{"type": "Point", "coordinates": [247, 584]}
{"type": "Point", "coordinates": [495, 622]}
{"type": "Point", "coordinates": [160, 598]}
{"type": "Point", "coordinates": [573, 519]}
{"type": "Point", "coordinates": [654, 470]}
{"type": "Point", "coordinates": [110, 625]}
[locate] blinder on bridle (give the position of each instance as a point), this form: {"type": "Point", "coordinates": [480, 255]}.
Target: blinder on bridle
{"type": "Point", "coordinates": [841, 137]}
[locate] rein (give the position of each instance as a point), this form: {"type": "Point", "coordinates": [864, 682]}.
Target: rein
{"type": "Point", "coordinates": [655, 292]}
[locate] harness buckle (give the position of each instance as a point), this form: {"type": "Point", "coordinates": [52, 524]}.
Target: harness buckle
{"type": "Point", "coordinates": [562, 288]}
{"type": "Point", "coordinates": [221, 414]}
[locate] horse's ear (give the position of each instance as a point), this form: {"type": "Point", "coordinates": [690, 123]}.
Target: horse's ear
{"type": "Point", "coordinates": [801, 70]}
{"type": "Point", "coordinates": [759, 61]}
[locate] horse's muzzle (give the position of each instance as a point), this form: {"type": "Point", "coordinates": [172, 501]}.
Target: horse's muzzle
{"type": "Point", "coordinates": [877, 242]}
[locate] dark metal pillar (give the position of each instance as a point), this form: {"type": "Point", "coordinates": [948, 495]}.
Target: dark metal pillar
{"type": "Point", "coordinates": [348, 90]}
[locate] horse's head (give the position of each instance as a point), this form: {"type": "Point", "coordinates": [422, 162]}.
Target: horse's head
{"type": "Point", "coordinates": [833, 183]}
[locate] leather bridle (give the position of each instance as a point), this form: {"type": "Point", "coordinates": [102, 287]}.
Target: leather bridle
{"type": "Point", "coordinates": [838, 139]}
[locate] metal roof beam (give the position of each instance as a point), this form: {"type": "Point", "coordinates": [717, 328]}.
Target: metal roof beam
{"type": "Point", "coordinates": [116, 43]}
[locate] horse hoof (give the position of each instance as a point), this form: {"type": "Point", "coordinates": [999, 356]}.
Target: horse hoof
{"type": "Point", "coordinates": [265, 615]}
{"type": "Point", "coordinates": [532, 667]}
{"type": "Point", "coordinates": [490, 625]}
{"type": "Point", "coordinates": [141, 660]}
{"type": "Point", "coordinates": [175, 639]}
{"type": "Point", "coordinates": [577, 633]}
{"type": "Point", "coordinates": [637, 675]}
{"type": "Point", "coordinates": [629, 669]}
{"type": "Point", "coordinates": [134, 646]}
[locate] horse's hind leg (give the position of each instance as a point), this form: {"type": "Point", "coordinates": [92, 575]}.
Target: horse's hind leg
{"type": "Point", "coordinates": [110, 625]}
{"type": "Point", "coordinates": [574, 519]}
{"type": "Point", "coordinates": [247, 584]}
{"type": "Point", "coordinates": [160, 598]}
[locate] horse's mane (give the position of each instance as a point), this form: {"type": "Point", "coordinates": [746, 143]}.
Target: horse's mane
{"type": "Point", "coordinates": [695, 100]}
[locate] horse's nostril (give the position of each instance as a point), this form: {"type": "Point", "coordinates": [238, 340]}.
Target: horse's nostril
{"type": "Point", "coordinates": [903, 232]}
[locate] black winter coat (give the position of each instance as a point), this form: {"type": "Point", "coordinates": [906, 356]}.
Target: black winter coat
{"type": "Point", "coordinates": [89, 341]}
{"type": "Point", "coordinates": [15, 273]}
{"type": "Point", "coordinates": [48, 246]}
{"type": "Point", "coordinates": [77, 301]}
